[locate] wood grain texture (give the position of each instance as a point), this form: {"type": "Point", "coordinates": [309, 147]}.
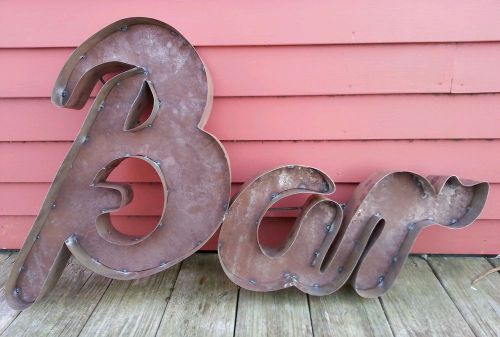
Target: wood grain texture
{"type": "Point", "coordinates": [479, 304]}
{"type": "Point", "coordinates": [132, 308]}
{"type": "Point", "coordinates": [343, 161]}
{"type": "Point", "coordinates": [345, 314]}
{"type": "Point", "coordinates": [292, 118]}
{"type": "Point", "coordinates": [225, 22]}
{"type": "Point", "coordinates": [203, 302]}
{"type": "Point", "coordinates": [280, 313]}
{"type": "Point", "coordinates": [66, 309]}
{"type": "Point", "coordinates": [417, 305]}
{"type": "Point", "coordinates": [7, 315]}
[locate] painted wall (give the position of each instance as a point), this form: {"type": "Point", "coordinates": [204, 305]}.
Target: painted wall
{"type": "Point", "coordinates": [351, 87]}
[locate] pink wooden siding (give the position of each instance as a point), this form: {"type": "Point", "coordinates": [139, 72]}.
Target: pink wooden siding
{"type": "Point", "coordinates": [349, 87]}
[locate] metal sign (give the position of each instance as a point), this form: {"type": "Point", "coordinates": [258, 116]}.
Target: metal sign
{"type": "Point", "coordinates": [158, 70]}
{"type": "Point", "coordinates": [369, 240]}
{"type": "Point", "coordinates": [154, 109]}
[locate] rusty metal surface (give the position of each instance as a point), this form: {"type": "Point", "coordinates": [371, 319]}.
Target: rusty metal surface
{"type": "Point", "coordinates": [157, 65]}
{"type": "Point", "coordinates": [367, 243]}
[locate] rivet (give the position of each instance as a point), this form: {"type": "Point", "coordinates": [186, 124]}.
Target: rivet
{"type": "Point", "coordinates": [395, 259]}
{"type": "Point", "coordinates": [377, 214]}
{"type": "Point", "coordinates": [411, 226]}
{"type": "Point", "coordinates": [85, 139]}
{"type": "Point", "coordinates": [315, 285]}
{"type": "Point", "coordinates": [53, 206]}
{"type": "Point", "coordinates": [149, 125]}
{"type": "Point", "coordinates": [64, 93]}
{"type": "Point", "coordinates": [342, 206]}
{"type": "Point", "coordinates": [71, 240]}
{"type": "Point", "coordinates": [286, 275]}
{"type": "Point", "coordinates": [340, 269]}
{"type": "Point", "coordinates": [380, 280]}
{"type": "Point", "coordinates": [163, 263]}
{"type": "Point", "coordinates": [453, 221]}
{"type": "Point", "coordinates": [83, 56]}
{"type": "Point", "coordinates": [101, 106]}
{"type": "Point", "coordinates": [157, 163]}
{"type": "Point", "coordinates": [424, 195]}
{"type": "Point", "coordinates": [118, 84]}
{"type": "Point", "coordinates": [124, 271]}
{"type": "Point", "coordinates": [274, 195]}
{"type": "Point", "coordinates": [252, 282]}
{"type": "Point", "coordinates": [17, 291]}
{"type": "Point", "coordinates": [124, 28]}
{"type": "Point", "coordinates": [197, 243]}
{"type": "Point", "coordinates": [316, 253]}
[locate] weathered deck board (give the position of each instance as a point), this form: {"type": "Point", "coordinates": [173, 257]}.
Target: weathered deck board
{"type": "Point", "coordinates": [203, 302]}
{"type": "Point", "coordinates": [346, 314]}
{"type": "Point", "coordinates": [7, 315]}
{"type": "Point", "coordinates": [417, 305]}
{"type": "Point", "coordinates": [132, 308]}
{"type": "Point", "coordinates": [478, 304]}
{"type": "Point", "coordinates": [280, 313]}
{"type": "Point", "coordinates": [6, 261]}
{"type": "Point", "coordinates": [495, 261]}
{"type": "Point", "coordinates": [66, 309]}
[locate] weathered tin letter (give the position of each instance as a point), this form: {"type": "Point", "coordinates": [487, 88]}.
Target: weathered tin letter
{"type": "Point", "coordinates": [372, 240]}
{"type": "Point", "coordinates": [159, 71]}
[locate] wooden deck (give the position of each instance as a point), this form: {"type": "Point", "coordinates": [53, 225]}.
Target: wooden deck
{"type": "Point", "coordinates": [432, 297]}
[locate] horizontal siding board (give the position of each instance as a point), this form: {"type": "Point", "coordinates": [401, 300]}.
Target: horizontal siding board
{"type": "Point", "coordinates": [344, 161]}
{"type": "Point", "coordinates": [274, 70]}
{"type": "Point", "coordinates": [482, 237]}
{"type": "Point", "coordinates": [293, 118]}
{"type": "Point", "coordinates": [477, 68]}
{"type": "Point", "coordinates": [26, 199]}
{"type": "Point", "coordinates": [226, 22]}
{"type": "Point", "coordinates": [301, 70]}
